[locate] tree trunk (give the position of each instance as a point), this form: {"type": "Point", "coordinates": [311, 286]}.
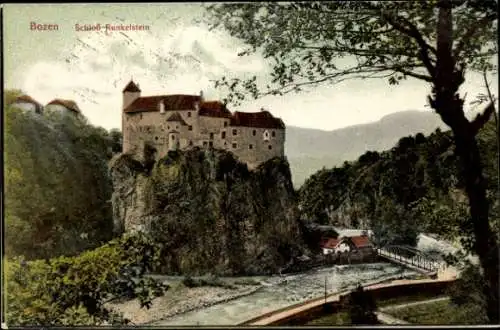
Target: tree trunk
{"type": "Point", "coordinates": [448, 104]}
{"type": "Point", "coordinates": [485, 241]}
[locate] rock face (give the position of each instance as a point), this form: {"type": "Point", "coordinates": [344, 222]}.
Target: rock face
{"type": "Point", "coordinates": [212, 214]}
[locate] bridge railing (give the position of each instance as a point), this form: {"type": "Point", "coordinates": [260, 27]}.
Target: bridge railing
{"type": "Point", "coordinates": [417, 260]}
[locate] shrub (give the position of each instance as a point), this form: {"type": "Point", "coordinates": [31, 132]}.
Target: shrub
{"type": "Point", "coordinates": [73, 290]}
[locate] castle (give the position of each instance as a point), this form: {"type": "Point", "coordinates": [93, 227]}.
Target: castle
{"type": "Point", "coordinates": [170, 122]}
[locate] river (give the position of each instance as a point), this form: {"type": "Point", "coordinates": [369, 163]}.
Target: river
{"type": "Point", "coordinates": [278, 292]}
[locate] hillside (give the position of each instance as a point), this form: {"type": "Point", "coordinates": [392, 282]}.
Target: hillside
{"type": "Point", "coordinates": [57, 187]}
{"type": "Point", "coordinates": [309, 150]}
{"type": "Point", "coordinates": [211, 214]}
{"type": "Point", "coordinates": [415, 185]}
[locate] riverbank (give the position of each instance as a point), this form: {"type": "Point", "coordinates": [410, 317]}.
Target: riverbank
{"type": "Point", "coordinates": [180, 299]}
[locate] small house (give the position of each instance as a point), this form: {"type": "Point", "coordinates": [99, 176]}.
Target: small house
{"type": "Point", "coordinates": [27, 103]}
{"type": "Point", "coordinates": [359, 245]}
{"type": "Point", "coordinates": [61, 105]}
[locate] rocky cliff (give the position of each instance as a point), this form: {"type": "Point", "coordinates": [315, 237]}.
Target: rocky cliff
{"type": "Point", "coordinates": [210, 212]}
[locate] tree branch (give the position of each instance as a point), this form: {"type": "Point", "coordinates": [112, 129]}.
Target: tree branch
{"type": "Point", "coordinates": [470, 33]}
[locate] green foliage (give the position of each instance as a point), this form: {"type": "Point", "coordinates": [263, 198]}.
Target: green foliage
{"type": "Point", "coordinates": [57, 188]}
{"type": "Point", "coordinates": [430, 200]}
{"type": "Point", "coordinates": [467, 295]}
{"type": "Point", "coordinates": [73, 290]}
{"type": "Point", "coordinates": [307, 42]}
{"type": "Point", "coordinates": [361, 307]}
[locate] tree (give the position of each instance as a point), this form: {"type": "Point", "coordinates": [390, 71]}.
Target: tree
{"type": "Point", "coordinates": [361, 307]}
{"type": "Point", "coordinates": [434, 41]}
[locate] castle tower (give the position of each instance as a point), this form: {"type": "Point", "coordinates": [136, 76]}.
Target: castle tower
{"type": "Point", "coordinates": [131, 92]}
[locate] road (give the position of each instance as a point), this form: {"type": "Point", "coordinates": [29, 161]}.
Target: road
{"type": "Point", "coordinates": [271, 318]}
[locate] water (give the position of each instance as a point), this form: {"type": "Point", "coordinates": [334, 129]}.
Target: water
{"type": "Point", "coordinates": [279, 292]}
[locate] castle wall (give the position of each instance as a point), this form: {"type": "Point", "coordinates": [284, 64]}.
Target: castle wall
{"type": "Point", "coordinates": [253, 149]}
{"type": "Point", "coordinates": [26, 106]}
{"type": "Point", "coordinates": [152, 128]}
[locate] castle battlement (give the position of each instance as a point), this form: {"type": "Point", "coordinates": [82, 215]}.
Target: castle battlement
{"type": "Point", "coordinates": [170, 122]}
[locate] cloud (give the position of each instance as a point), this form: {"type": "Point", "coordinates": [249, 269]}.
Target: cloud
{"type": "Point", "coordinates": [94, 70]}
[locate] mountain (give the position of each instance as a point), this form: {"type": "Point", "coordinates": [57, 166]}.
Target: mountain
{"type": "Point", "coordinates": [309, 150]}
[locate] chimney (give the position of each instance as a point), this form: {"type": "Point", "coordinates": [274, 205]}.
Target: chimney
{"type": "Point", "coordinates": [161, 105]}
{"type": "Point", "coordinates": [262, 109]}
{"type": "Point", "coordinates": [201, 96]}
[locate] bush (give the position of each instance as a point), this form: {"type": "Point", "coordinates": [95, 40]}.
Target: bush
{"type": "Point", "coordinates": [73, 290]}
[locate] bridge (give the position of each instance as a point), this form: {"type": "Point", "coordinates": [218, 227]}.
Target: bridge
{"type": "Point", "coordinates": [411, 258]}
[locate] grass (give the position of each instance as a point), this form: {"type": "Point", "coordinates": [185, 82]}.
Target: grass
{"type": "Point", "coordinates": [435, 313]}
{"type": "Point", "coordinates": [339, 318]}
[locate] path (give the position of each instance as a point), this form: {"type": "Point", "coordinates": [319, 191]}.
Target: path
{"type": "Point", "coordinates": [270, 318]}
{"type": "Point", "coordinates": [391, 307]}
{"type": "Point", "coordinates": [388, 319]}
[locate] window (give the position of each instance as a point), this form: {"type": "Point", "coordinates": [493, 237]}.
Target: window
{"type": "Point", "coordinates": [235, 145]}
{"type": "Point", "coordinates": [190, 143]}
{"type": "Point", "coordinates": [205, 143]}
{"type": "Point", "coordinates": [211, 136]}
{"type": "Point", "coordinates": [168, 127]}
{"type": "Point", "coordinates": [225, 124]}
{"type": "Point", "coordinates": [250, 146]}
{"type": "Point", "coordinates": [266, 135]}
{"type": "Point", "coordinates": [254, 132]}
{"type": "Point", "coordinates": [156, 138]}
{"type": "Point", "coordinates": [270, 147]}
{"type": "Point", "coordinates": [173, 137]}
{"type": "Point", "coordinates": [273, 133]}
{"type": "Point", "coordinates": [190, 128]}
{"type": "Point", "coordinates": [140, 117]}
{"type": "Point", "coordinates": [223, 135]}
{"type": "Point", "coordinates": [235, 132]}
{"type": "Point", "coordinates": [176, 127]}
{"type": "Point", "coordinates": [189, 113]}
{"type": "Point", "coordinates": [211, 143]}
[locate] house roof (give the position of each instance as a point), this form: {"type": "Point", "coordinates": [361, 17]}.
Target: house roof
{"type": "Point", "coordinates": [357, 241]}
{"type": "Point", "coordinates": [27, 99]}
{"type": "Point", "coordinates": [361, 241]}
{"type": "Point", "coordinates": [261, 119]}
{"type": "Point", "coordinates": [131, 87]}
{"type": "Point", "coordinates": [176, 117]}
{"type": "Point", "coordinates": [68, 104]}
{"type": "Point", "coordinates": [172, 102]}
{"type": "Point", "coordinates": [330, 243]}
{"type": "Point", "coordinates": [214, 109]}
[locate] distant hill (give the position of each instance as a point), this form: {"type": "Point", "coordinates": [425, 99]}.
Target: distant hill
{"type": "Point", "coordinates": [309, 150]}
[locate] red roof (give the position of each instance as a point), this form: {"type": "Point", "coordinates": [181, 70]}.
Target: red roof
{"type": "Point", "coordinates": [361, 241]}
{"type": "Point", "coordinates": [171, 102]}
{"type": "Point", "coordinates": [330, 243]}
{"type": "Point", "coordinates": [68, 104]}
{"type": "Point", "coordinates": [26, 98]}
{"type": "Point", "coordinates": [261, 119]}
{"type": "Point", "coordinates": [131, 87]}
{"type": "Point", "coordinates": [214, 109]}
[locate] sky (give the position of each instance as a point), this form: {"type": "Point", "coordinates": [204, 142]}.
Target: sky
{"type": "Point", "coordinates": [176, 55]}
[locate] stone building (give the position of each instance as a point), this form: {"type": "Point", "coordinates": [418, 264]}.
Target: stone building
{"type": "Point", "coordinates": [63, 106]}
{"type": "Point", "coordinates": [27, 103]}
{"type": "Point", "coordinates": [169, 122]}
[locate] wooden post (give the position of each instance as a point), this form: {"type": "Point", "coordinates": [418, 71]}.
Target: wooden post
{"type": "Point", "coordinates": [325, 289]}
